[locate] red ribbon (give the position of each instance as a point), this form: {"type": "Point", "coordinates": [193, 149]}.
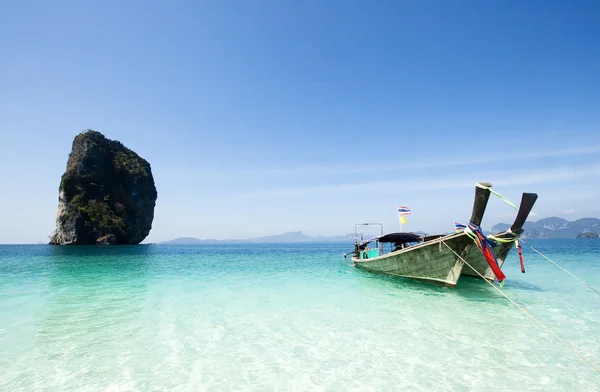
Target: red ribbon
{"type": "Point", "coordinates": [488, 253]}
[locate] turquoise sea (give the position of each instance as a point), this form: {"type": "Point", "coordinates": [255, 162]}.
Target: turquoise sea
{"type": "Point", "coordinates": [287, 317]}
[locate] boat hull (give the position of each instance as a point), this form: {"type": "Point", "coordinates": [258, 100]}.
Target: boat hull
{"type": "Point", "coordinates": [430, 261]}
{"type": "Point", "coordinates": [479, 264]}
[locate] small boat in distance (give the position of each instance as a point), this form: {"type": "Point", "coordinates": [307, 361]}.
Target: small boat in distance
{"type": "Point", "coordinates": [440, 258]}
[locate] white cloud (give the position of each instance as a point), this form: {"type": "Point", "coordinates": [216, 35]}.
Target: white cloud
{"type": "Point", "coordinates": [383, 167]}
{"type": "Point", "coordinates": [498, 179]}
{"type": "Point", "coordinates": [569, 211]}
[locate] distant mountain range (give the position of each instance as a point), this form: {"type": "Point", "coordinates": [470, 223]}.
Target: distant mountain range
{"type": "Point", "coordinates": [544, 228]}
{"type": "Point", "coordinates": [293, 236]}
{"type": "Point", "coordinates": [555, 227]}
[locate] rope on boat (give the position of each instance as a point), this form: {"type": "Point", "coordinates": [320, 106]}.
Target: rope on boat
{"type": "Point", "coordinates": [553, 262]}
{"type": "Point", "coordinates": [504, 199]}
{"type": "Point", "coordinates": [513, 237]}
{"type": "Point", "coordinates": [567, 345]}
{"type": "Point", "coordinates": [497, 239]}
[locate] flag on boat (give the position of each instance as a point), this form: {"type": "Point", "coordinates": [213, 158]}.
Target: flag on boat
{"type": "Point", "coordinates": [403, 210]}
{"type": "Point", "coordinates": [459, 227]}
{"type": "Point", "coordinates": [403, 220]}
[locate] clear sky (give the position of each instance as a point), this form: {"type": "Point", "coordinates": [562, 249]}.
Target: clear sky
{"type": "Point", "coordinates": [260, 117]}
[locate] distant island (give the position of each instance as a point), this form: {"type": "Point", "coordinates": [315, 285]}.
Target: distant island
{"type": "Point", "coordinates": [557, 228]}
{"type": "Point", "coordinates": [290, 237]}
{"type": "Point", "coordinates": [587, 234]}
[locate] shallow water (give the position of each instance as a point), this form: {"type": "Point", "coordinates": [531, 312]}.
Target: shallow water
{"type": "Point", "coordinates": [287, 317]}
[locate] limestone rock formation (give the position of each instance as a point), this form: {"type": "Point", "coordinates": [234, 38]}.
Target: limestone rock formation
{"type": "Point", "coordinates": [106, 196]}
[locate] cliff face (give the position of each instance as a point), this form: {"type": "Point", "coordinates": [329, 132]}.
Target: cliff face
{"type": "Point", "coordinates": [106, 196]}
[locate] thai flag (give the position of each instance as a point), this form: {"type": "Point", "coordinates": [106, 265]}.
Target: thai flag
{"type": "Point", "coordinates": [403, 210]}
{"type": "Point", "coordinates": [459, 227]}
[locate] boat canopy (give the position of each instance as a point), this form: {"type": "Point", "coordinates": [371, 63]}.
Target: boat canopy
{"type": "Point", "coordinates": [394, 238]}
{"type": "Point", "coordinates": [399, 238]}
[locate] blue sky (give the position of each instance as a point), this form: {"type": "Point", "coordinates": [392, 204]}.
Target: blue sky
{"type": "Point", "coordinates": [270, 116]}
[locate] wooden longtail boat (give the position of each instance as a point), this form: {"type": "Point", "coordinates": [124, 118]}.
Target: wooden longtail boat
{"type": "Point", "coordinates": [437, 258]}
{"type": "Point", "coordinates": [477, 265]}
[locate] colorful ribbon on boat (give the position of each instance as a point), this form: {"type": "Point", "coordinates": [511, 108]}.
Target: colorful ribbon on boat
{"type": "Point", "coordinates": [485, 246]}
